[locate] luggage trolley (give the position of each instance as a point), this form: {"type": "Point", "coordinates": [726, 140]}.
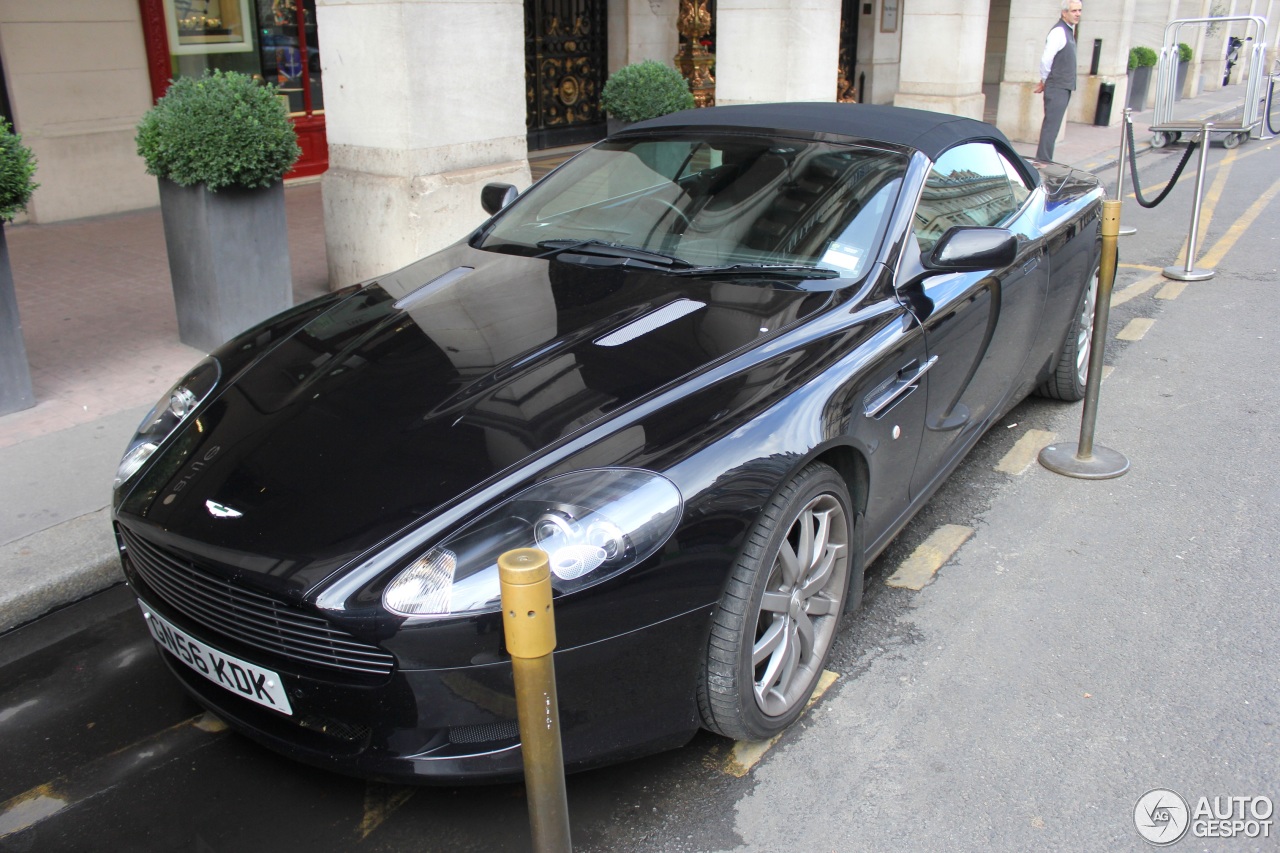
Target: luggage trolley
{"type": "Point", "coordinates": [1165, 129]}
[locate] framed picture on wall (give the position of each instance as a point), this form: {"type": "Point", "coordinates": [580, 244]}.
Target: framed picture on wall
{"type": "Point", "coordinates": [889, 16]}
{"type": "Point", "coordinates": [208, 26]}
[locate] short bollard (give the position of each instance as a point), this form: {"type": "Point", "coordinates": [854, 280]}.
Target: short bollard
{"type": "Point", "coordinates": [1085, 460]}
{"type": "Point", "coordinates": [1188, 272]}
{"type": "Point", "coordinates": [528, 623]}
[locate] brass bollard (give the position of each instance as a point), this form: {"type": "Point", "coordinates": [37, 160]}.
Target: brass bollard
{"type": "Point", "coordinates": [1085, 460]}
{"type": "Point", "coordinates": [528, 623]}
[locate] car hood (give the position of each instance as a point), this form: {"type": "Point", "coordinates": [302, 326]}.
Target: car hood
{"type": "Point", "coordinates": [421, 387]}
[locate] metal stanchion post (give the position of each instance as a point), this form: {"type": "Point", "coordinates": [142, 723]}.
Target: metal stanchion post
{"type": "Point", "coordinates": [1189, 272]}
{"type": "Point", "coordinates": [1086, 460]}
{"type": "Point", "coordinates": [530, 630]}
{"type": "Point", "coordinates": [1125, 231]}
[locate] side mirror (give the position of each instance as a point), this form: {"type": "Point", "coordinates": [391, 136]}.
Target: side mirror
{"type": "Point", "coordinates": [972, 249]}
{"type": "Point", "coordinates": [494, 197]}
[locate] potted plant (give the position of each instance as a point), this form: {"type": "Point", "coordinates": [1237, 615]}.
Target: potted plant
{"type": "Point", "coordinates": [1185, 54]}
{"type": "Point", "coordinates": [642, 91]}
{"type": "Point", "coordinates": [17, 170]}
{"type": "Point", "coordinates": [220, 145]}
{"type": "Point", "coordinates": [1141, 61]}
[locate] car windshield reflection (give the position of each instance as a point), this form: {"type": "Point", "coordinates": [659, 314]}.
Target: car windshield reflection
{"type": "Point", "coordinates": [717, 203]}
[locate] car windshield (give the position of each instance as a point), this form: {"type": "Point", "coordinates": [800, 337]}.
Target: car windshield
{"type": "Point", "coordinates": [746, 203]}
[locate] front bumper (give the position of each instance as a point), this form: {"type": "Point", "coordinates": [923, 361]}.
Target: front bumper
{"type": "Point", "coordinates": [620, 698]}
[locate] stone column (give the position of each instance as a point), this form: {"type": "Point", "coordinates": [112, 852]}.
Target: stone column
{"type": "Point", "coordinates": [424, 104]}
{"type": "Point", "coordinates": [776, 50]}
{"type": "Point", "coordinates": [943, 53]}
{"type": "Point", "coordinates": [1112, 22]}
{"type": "Point", "coordinates": [642, 29]}
{"type": "Point", "coordinates": [1020, 111]}
{"type": "Point", "coordinates": [879, 57]}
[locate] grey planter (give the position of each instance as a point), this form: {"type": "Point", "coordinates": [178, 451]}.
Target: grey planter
{"type": "Point", "coordinates": [1139, 82]}
{"type": "Point", "coordinates": [1181, 80]}
{"type": "Point", "coordinates": [15, 373]}
{"type": "Point", "coordinates": [228, 259]}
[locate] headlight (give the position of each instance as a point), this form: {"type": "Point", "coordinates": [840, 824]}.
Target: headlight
{"type": "Point", "coordinates": [592, 524]}
{"type": "Point", "coordinates": [165, 417]}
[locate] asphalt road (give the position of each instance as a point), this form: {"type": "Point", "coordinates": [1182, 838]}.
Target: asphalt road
{"type": "Point", "coordinates": [1090, 641]}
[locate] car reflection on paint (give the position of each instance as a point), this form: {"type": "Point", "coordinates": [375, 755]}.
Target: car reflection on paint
{"type": "Point", "coordinates": [711, 366]}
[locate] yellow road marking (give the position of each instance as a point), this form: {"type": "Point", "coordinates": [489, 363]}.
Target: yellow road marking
{"type": "Point", "coordinates": [117, 768]}
{"type": "Point", "coordinates": [28, 809]}
{"type": "Point", "coordinates": [380, 801]}
{"type": "Point", "coordinates": [918, 569]}
{"type": "Point", "coordinates": [1210, 203]}
{"type": "Point", "coordinates": [1190, 172]}
{"type": "Point", "coordinates": [1172, 290]}
{"type": "Point", "coordinates": [746, 754]}
{"type": "Point", "coordinates": [1120, 297]}
{"type": "Point", "coordinates": [1107, 370]}
{"type": "Point", "coordinates": [1237, 229]}
{"type": "Point", "coordinates": [1143, 267]}
{"type": "Point", "coordinates": [1022, 454]}
{"type": "Point", "coordinates": [1137, 328]}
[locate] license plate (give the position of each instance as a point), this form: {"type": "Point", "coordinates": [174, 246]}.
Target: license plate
{"type": "Point", "coordinates": [240, 677]}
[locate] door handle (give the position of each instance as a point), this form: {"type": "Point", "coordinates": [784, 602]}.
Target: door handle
{"type": "Point", "coordinates": [908, 377]}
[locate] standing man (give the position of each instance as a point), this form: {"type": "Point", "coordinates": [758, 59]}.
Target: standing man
{"type": "Point", "coordinates": [1058, 75]}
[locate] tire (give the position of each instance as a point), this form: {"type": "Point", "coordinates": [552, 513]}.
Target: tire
{"type": "Point", "coordinates": [1159, 139]}
{"type": "Point", "coordinates": [1067, 381]}
{"type": "Point", "coordinates": [778, 617]}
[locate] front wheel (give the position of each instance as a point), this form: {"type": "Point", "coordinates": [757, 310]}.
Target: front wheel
{"type": "Point", "coordinates": [1072, 370]}
{"type": "Point", "coordinates": [777, 619]}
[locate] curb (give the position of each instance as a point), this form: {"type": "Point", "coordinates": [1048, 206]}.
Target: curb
{"type": "Point", "coordinates": [56, 567]}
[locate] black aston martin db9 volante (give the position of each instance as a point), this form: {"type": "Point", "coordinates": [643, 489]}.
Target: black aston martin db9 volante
{"type": "Point", "coordinates": [710, 366]}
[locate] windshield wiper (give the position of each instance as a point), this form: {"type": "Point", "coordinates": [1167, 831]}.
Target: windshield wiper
{"type": "Point", "coordinates": [761, 270]}
{"type": "Point", "coordinates": [605, 249]}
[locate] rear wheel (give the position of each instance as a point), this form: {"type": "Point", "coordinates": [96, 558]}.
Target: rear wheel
{"type": "Point", "coordinates": [778, 617]}
{"type": "Point", "coordinates": [1068, 378]}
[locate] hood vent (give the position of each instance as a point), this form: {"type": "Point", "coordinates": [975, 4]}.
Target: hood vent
{"type": "Point", "coordinates": [668, 313]}
{"type": "Point", "coordinates": [432, 287]}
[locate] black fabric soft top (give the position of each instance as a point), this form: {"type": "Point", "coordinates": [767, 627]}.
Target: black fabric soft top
{"type": "Point", "coordinates": [929, 132]}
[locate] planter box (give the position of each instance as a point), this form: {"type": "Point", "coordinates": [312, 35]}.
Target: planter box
{"type": "Point", "coordinates": [15, 373]}
{"type": "Point", "coordinates": [1139, 83]}
{"type": "Point", "coordinates": [228, 259]}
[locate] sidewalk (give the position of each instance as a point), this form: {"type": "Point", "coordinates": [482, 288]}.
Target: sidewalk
{"type": "Point", "coordinates": [102, 341]}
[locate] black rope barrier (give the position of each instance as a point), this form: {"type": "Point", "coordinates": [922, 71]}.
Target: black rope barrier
{"type": "Point", "coordinates": [1133, 170]}
{"type": "Point", "coordinates": [1271, 102]}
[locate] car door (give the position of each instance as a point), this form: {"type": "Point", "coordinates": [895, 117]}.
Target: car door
{"type": "Point", "coordinates": [979, 326]}
{"type": "Point", "coordinates": [888, 411]}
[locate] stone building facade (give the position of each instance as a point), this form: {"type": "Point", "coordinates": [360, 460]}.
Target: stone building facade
{"type": "Point", "coordinates": [425, 101]}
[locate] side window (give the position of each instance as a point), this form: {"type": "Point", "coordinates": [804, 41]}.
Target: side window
{"type": "Point", "coordinates": [1017, 183]}
{"type": "Point", "coordinates": [967, 186]}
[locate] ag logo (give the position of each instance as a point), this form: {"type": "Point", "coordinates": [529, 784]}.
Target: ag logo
{"type": "Point", "coordinates": [1162, 817]}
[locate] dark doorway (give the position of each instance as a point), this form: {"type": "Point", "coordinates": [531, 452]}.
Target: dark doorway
{"type": "Point", "coordinates": [565, 65]}
{"type": "Point", "coordinates": [847, 87]}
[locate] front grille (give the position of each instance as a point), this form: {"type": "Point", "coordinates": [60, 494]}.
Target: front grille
{"type": "Point", "coordinates": [250, 617]}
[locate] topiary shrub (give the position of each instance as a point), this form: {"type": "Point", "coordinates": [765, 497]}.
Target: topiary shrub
{"type": "Point", "coordinates": [1185, 53]}
{"type": "Point", "coordinates": [1141, 57]}
{"type": "Point", "coordinates": [222, 130]}
{"type": "Point", "coordinates": [645, 90]}
{"type": "Point", "coordinates": [17, 168]}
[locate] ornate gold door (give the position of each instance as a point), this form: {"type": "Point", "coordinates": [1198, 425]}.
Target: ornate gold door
{"type": "Point", "coordinates": [565, 67]}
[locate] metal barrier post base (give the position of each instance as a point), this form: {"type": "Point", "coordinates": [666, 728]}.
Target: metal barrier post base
{"type": "Point", "coordinates": [1103, 464]}
{"type": "Point", "coordinates": [1184, 274]}
{"type": "Point", "coordinates": [1127, 231]}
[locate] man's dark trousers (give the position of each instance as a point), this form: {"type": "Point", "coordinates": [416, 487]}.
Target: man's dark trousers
{"type": "Point", "coordinates": [1055, 109]}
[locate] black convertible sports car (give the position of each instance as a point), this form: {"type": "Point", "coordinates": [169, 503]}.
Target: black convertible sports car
{"type": "Point", "coordinates": [710, 365]}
